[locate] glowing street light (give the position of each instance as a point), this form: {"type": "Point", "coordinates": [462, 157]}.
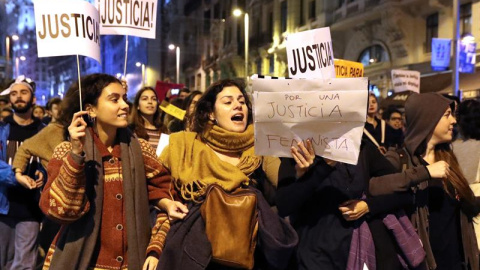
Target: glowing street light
{"type": "Point", "coordinates": [237, 13]}
{"type": "Point", "coordinates": [138, 64]}
{"type": "Point", "coordinates": [15, 37]}
{"type": "Point", "coordinates": [177, 50]}
{"type": "Point", "coordinates": [23, 58]}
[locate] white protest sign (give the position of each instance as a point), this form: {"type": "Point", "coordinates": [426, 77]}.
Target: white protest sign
{"type": "Point", "coordinates": [404, 80]}
{"type": "Point", "coordinates": [331, 113]}
{"type": "Point", "coordinates": [162, 143]}
{"type": "Point", "coordinates": [67, 28]}
{"type": "Point", "coordinates": [132, 18]}
{"type": "Point", "coordinates": [310, 54]}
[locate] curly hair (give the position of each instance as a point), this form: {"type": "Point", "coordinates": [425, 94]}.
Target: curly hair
{"type": "Point", "coordinates": [206, 104]}
{"type": "Point", "coordinates": [92, 87]}
{"type": "Point", "coordinates": [137, 122]}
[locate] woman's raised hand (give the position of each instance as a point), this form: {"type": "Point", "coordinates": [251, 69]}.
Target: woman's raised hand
{"type": "Point", "coordinates": [76, 131]}
{"type": "Point", "coordinates": [303, 156]}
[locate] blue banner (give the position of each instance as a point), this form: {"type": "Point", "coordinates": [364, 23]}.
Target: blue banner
{"type": "Point", "coordinates": [441, 53]}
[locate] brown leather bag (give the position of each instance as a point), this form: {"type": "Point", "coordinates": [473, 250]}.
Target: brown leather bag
{"type": "Point", "coordinates": [231, 225]}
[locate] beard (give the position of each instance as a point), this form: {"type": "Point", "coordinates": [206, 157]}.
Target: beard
{"type": "Point", "coordinates": [23, 109]}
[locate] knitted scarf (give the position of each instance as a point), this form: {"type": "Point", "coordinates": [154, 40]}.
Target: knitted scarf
{"type": "Point", "coordinates": [194, 164]}
{"type": "Point", "coordinates": [77, 240]}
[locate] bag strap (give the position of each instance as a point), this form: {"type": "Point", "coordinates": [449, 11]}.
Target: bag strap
{"type": "Point", "coordinates": [477, 179]}
{"type": "Point", "coordinates": [365, 131]}
{"type": "Point", "coordinates": [383, 126]}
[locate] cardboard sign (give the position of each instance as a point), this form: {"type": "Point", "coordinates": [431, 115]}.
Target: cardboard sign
{"type": "Point", "coordinates": [172, 110]}
{"type": "Point", "coordinates": [67, 28]}
{"type": "Point", "coordinates": [132, 18]}
{"type": "Point", "coordinates": [331, 113]}
{"type": "Point", "coordinates": [404, 80]}
{"type": "Point", "coordinates": [348, 69]}
{"type": "Point", "coordinates": [441, 53]}
{"type": "Point", "coordinates": [310, 54]}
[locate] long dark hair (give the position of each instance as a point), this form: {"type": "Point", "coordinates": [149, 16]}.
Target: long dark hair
{"type": "Point", "coordinates": [92, 87]}
{"type": "Point", "coordinates": [456, 178]}
{"type": "Point", "coordinates": [206, 104]}
{"type": "Point", "coordinates": [137, 122]}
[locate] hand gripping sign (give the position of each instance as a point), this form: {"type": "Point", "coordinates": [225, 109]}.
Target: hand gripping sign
{"type": "Point", "coordinates": [331, 113]}
{"type": "Point", "coordinates": [67, 28]}
{"type": "Point", "coordinates": [131, 18]}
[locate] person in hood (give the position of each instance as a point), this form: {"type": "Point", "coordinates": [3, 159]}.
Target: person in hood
{"type": "Point", "coordinates": [444, 204]}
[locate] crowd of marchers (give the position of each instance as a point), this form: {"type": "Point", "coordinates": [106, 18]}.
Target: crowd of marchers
{"type": "Point", "coordinates": [84, 185]}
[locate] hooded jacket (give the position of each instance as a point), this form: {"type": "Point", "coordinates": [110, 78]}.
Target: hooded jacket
{"type": "Point", "coordinates": [422, 113]}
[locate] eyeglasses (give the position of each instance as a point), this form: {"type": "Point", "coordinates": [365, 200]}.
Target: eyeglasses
{"type": "Point", "coordinates": [396, 118]}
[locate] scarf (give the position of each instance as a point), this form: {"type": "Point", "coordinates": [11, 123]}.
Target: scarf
{"type": "Point", "coordinates": [77, 240]}
{"type": "Point", "coordinates": [194, 164]}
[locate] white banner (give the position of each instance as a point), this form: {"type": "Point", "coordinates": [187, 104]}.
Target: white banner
{"type": "Point", "coordinates": [441, 53]}
{"type": "Point", "coordinates": [310, 54]}
{"type": "Point", "coordinates": [331, 113]}
{"type": "Point", "coordinates": [132, 18]}
{"type": "Point", "coordinates": [67, 28]}
{"type": "Point", "coordinates": [404, 80]}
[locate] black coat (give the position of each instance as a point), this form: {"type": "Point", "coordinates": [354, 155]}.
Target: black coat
{"type": "Point", "coordinates": [312, 203]}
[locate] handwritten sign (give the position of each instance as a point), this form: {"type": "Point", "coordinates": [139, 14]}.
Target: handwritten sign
{"type": "Point", "coordinates": [331, 113]}
{"type": "Point", "coordinates": [348, 69]}
{"type": "Point", "coordinates": [67, 28]}
{"type": "Point", "coordinates": [310, 54]}
{"type": "Point", "coordinates": [172, 110]}
{"type": "Point", "coordinates": [404, 80]}
{"type": "Point", "coordinates": [132, 17]}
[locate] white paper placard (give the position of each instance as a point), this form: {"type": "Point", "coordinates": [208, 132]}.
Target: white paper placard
{"type": "Point", "coordinates": [162, 143]}
{"type": "Point", "coordinates": [132, 18]}
{"type": "Point", "coordinates": [310, 54]}
{"type": "Point", "coordinates": [331, 113]}
{"type": "Point", "coordinates": [67, 28]}
{"type": "Point", "coordinates": [404, 80]}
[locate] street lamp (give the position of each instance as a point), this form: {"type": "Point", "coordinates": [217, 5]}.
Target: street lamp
{"type": "Point", "coordinates": [177, 51]}
{"type": "Point", "coordinates": [237, 13]}
{"type": "Point", "coordinates": [139, 64]}
{"type": "Point", "coordinates": [8, 45]}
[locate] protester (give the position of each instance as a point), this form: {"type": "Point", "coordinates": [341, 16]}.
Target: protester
{"type": "Point", "coordinates": [394, 118]}
{"type": "Point", "coordinates": [20, 215]}
{"type": "Point", "coordinates": [184, 92]}
{"type": "Point", "coordinates": [467, 148]}
{"type": "Point", "coordinates": [444, 204]}
{"type": "Point", "coordinates": [5, 112]}
{"type": "Point", "coordinates": [376, 130]}
{"type": "Point", "coordinates": [145, 118]}
{"type": "Point", "coordinates": [220, 151]}
{"type": "Point", "coordinates": [188, 105]}
{"type": "Point", "coordinates": [53, 110]}
{"type": "Point", "coordinates": [38, 112]}
{"type": "Point", "coordinates": [326, 202]}
{"type": "Point", "coordinates": [170, 120]}
{"type": "Point", "coordinates": [99, 184]}
{"type": "Point", "coordinates": [41, 146]}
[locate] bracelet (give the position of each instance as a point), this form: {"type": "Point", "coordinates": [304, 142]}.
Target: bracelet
{"type": "Point", "coordinates": [18, 170]}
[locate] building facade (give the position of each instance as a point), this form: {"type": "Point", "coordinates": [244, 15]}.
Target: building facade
{"type": "Point", "coordinates": [382, 34]}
